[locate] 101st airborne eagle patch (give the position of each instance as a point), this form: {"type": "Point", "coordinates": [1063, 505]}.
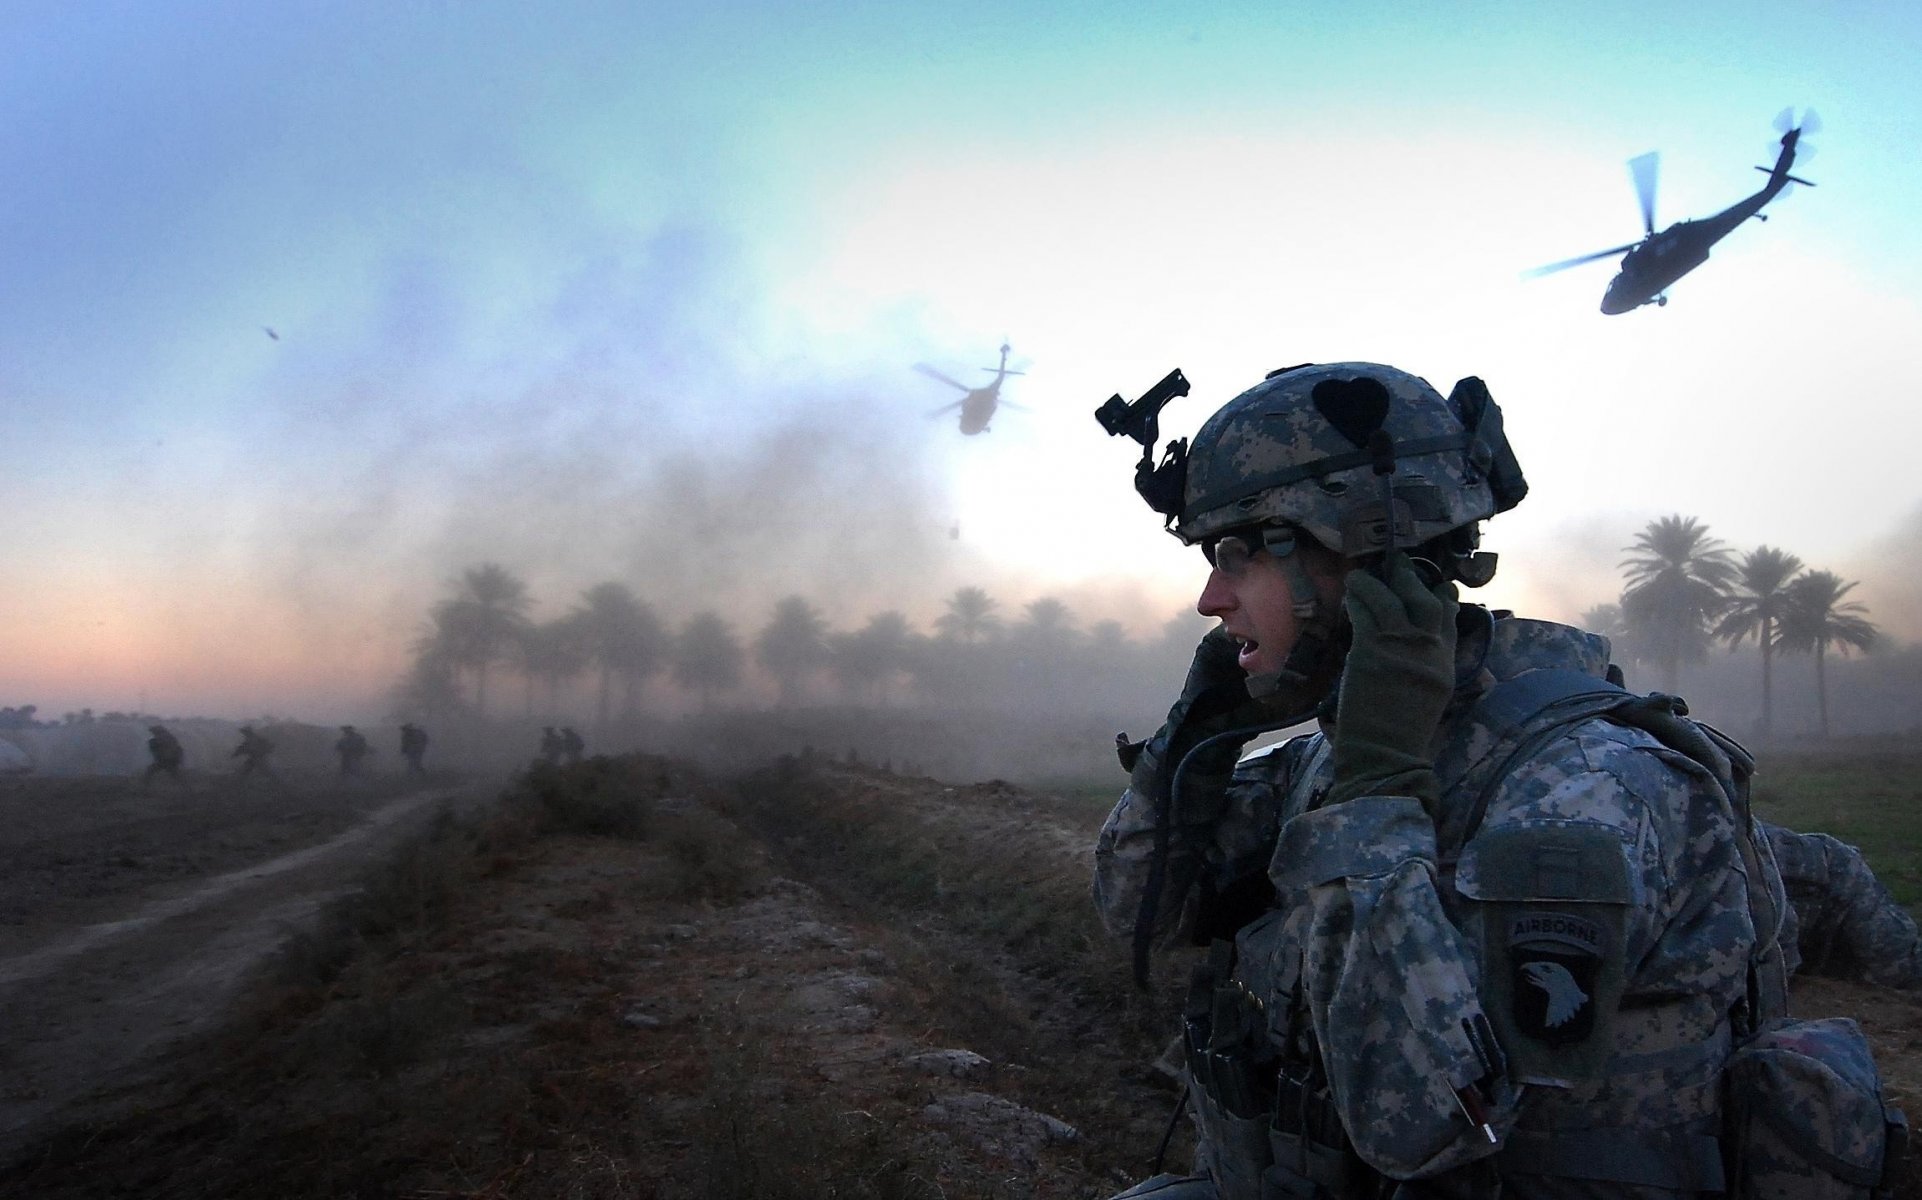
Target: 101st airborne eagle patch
{"type": "Point", "coordinates": [1555, 958]}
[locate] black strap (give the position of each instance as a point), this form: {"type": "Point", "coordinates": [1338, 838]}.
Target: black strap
{"type": "Point", "coordinates": [1255, 485]}
{"type": "Point", "coordinates": [1678, 1162]}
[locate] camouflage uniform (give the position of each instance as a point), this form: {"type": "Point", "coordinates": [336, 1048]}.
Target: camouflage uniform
{"type": "Point", "coordinates": [1848, 926]}
{"type": "Point", "coordinates": [1393, 948]}
{"type": "Point", "coordinates": [1513, 956]}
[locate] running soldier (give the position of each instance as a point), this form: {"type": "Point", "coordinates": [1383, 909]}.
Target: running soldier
{"type": "Point", "coordinates": [353, 748]}
{"type": "Point", "coordinates": [165, 751]}
{"type": "Point", "coordinates": [253, 752]}
{"type": "Point", "coordinates": [413, 747]}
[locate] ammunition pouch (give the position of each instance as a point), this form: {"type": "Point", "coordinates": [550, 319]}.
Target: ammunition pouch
{"type": "Point", "coordinates": [1268, 1127]}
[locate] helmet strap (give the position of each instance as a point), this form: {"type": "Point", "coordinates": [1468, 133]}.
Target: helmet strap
{"type": "Point", "coordinates": [1316, 642]}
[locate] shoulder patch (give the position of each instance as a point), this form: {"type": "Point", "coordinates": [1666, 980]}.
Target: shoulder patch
{"type": "Point", "coordinates": [1551, 904]}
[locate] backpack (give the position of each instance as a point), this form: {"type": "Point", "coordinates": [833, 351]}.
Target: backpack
{"type": "Point", "coordinates": [1804, 1113]}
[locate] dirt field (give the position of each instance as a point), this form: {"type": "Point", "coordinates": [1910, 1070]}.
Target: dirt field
{"type": "Point", "coordinates": [128, 918]}
{"type": "Point", "coordinates": [819, 981]}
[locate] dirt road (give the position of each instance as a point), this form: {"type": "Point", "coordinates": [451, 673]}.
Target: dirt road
{"type": "Point", "coordinates": [127, 918]}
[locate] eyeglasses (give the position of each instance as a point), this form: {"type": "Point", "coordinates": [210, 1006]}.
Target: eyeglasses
{"type": "Point", "coordinates": [1231, 553]}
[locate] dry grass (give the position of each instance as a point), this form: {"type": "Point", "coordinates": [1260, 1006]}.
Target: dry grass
{"type": "Point", "coordinates": [481, 1019]}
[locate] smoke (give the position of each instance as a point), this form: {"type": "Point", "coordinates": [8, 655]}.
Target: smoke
{"type": "Point", "coordinates": [1890, 574]}
{"type": "Point", "coordinates": [638, 422]}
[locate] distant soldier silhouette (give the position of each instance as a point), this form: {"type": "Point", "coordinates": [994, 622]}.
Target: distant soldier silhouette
{"type": "Point", "coordinates": [352, 747]}
{"type": "Point", "coordinates": [253, 753]}
{"type": "Point", "coordinates": [164, 748]}
{"type": "Point", "coordinates": [551, 745]}
{"type": "Point", "coordinates": [413, 747]}
{"type": "Point", "coordinates": [571, 745]}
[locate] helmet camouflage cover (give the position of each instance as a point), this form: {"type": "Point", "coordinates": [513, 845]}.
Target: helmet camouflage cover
{"type": "Point", "coordinates": [1315, 448]}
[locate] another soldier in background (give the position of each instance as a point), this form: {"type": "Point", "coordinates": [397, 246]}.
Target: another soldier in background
{"type": "Point", "coordinates": [413, 747]}
{"type": "Point", "coordinates": [352, 747]}
{"type": "Point", "coordinates": [1847, 924]}
{"type": "Point", "coordinates": [551, 745]}
{"type": "Point", "coordinates": [572, 747]}
{"type": "Point", "coordinates": [164, 748]}
{"type": "Point", "coordinates": [253, 752]}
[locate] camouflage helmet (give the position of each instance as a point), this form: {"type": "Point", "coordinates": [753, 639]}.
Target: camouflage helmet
{"type": "Point", "coordinates": [1316, 447]}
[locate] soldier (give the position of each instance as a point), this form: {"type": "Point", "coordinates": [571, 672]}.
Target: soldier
{"type": "Point", "coordinates": [413, 747]}
{"type": "Point", "coordinates": [165, 750]}
{"type": "Point", "coordinates": [551, 745]}
{"type": "Point", "coordinates": [253, 752]}
{"type": "Point", "coordinates": [1847, 925]}
{"type": "Point", "coordinates": [352, 747]}
{"type": "Point", "coordinates": [1460, 936]}
{"type": "Point", "coordinates": [572, 747]}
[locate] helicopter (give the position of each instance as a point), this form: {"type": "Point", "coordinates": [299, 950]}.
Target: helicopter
{"type": "Point", "coordinates": [1650, 265]}
{"type": "Point", "coordinates": [977, 407]}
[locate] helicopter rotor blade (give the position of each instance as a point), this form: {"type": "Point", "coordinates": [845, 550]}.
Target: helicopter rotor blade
{"type": "Point", "coordinates": [1810, 124]}
{"type": "Point", "coordinates": [1566, 263]}
{"type": "Point", "coordinates": [945, 408]}
{"type": "Point", "coordinates": [1643, 167]}
{"type": "Point", "coordinates": [931, 373]}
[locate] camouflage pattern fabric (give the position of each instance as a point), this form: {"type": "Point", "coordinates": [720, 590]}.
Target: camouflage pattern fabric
{"type": "Point", "coordinates": [1274, 435]}
{"type": "Point", "coordinates": [1393, 966]}
{"type": "Point", "coordinates": [1812, 1123]}
{"type": "Point", "coordinates": [1849, 927]}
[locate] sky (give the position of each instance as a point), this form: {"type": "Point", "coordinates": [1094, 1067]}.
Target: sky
{"type": "Point", "coordinates": [634, 292]}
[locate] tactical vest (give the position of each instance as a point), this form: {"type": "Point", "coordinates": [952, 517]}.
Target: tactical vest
{"type": "Point", "coordinates": [1810, 1119]}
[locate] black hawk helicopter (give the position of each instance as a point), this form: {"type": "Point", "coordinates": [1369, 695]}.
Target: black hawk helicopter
{"type": "Point", "coordinates": [977, 407]}
{"type": "Point", "coordinates": [1659, 259]}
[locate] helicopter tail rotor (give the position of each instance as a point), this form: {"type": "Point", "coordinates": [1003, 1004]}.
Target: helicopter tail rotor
{"type": "Point", "coordinates": [1644, 167]}
{"type": "Point", "coordinates": [1003, 368]}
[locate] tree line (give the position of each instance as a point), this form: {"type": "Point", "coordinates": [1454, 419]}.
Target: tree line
{"type": "Point", "coordinates": [616, 644]}
{"type": "Point", "coordinates": [1684, 591]}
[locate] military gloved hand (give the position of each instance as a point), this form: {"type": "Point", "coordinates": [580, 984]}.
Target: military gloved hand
{"type": "Point", "coordinates": [1398, 677]}
{"type": "Point", "coordinates": [1213, 700]}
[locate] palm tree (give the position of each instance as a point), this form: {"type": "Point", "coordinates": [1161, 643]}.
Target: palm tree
{"type": "Point", "coordinates": [970, 616]}
{"type": "Point", "coordinates": [430, 686]}
{"type": "Point", "coordinates": [1756, 606]}
{"type": "Point", "coordinates": [552, 653]}
{"type": "Point", "coordinates": [1677, 581]}
{"type": "Point", "coordinates": [621, 636]}
{"type": "Point", "coordinates": [1048, 621]}
{"type": "Point", "coordinates": [865, 661]}
{"type": "Point", "coordinates": [482, 621]}
{"type": "Point", "coordinates": [1817, 617]}
{"type": "Point", "coordinates": [707, 656]}
{"type": "Point", "coordinates": [793, 646]}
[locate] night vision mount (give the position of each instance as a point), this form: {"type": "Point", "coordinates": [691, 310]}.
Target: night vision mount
{"type": "Point", "coordinates": [1161, 486]}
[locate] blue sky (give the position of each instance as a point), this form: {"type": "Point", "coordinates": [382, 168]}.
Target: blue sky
{"type": "Point", "coordinates": [610, 291]}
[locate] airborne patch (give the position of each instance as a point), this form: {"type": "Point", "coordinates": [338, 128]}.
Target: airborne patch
{"type": "Point", "coordinates": [1556, 959]}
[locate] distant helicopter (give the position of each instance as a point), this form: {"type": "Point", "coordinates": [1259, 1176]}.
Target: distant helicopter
{"type": "Point", "coordinates": [1660, 259]}
{"type": "Point", "coordinates": [977, 407]}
